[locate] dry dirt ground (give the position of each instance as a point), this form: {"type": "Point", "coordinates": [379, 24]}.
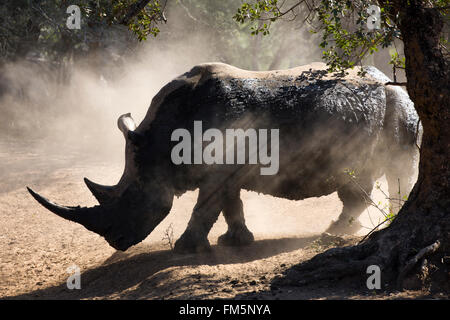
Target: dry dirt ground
{"type": "Point", "coordinates": [37, 247]}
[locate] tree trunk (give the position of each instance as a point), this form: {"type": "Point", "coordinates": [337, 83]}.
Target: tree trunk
{"type": "Point", "coordinates": [414, 251]}
{"type": "Point", "coordinates": [428, 84]}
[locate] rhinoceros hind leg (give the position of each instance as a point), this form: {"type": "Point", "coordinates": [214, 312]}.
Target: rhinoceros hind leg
{"type": "Point", "coordinates": [238, 233]}
{"type": "Point", "coordinates": [354, 203]}
{"type": "Point", "coordinates": [206, 211]}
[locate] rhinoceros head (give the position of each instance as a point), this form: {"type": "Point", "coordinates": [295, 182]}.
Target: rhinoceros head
{"type": "Point", "coordinates": [128, 211]}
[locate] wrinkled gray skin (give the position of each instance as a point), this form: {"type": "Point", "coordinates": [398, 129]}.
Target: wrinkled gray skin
{"type": "Point", "coordinates": [328, 124]}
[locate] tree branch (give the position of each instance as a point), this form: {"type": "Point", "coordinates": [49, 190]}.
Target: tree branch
{"type": "Point", "coordinates": [190, 15]}
{"type": "Point", "coordinates": [291, 8]}
{"type": "Point", "coordinates": [281, 14]}
{"type": "Point", "coordinates": [134, 10]}
{"type": "Point", "coordinates": [414, 260]}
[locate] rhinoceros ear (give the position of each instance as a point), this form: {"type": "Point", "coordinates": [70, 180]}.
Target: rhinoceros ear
{"type": "Point", "coordinates": [126, 123]}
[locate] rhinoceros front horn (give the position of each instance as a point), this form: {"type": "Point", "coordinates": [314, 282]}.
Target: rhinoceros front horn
{"type": "Point", "coordinates": [88, 217]}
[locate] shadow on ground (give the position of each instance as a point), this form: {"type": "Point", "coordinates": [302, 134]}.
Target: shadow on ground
{"type": "Point", "coordinates": [128, 275]}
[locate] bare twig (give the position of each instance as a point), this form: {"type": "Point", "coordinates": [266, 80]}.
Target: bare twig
{"type": "Point", "coordinates": [168, 236]}
{"type": "Point", "coordinates": [417, 134]}
{"type": "Point", "coordinates": [393, 83]}
{"type": "Point", "coordinates": [373, 230]}
{"type": "Point", "coordinates": [368, 199]}
{"type": "Point", "coordinates": [163, 16]}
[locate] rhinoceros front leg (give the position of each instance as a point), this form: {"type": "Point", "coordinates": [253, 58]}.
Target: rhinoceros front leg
{"type": "Point", "coordinates": [206, 211]}
{"type": "Point", "coordinates": [233, 211]}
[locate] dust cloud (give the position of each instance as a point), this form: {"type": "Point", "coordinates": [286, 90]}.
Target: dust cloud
{"type": "Point", "coordinates": [55, 117]}
{"type": "Point", "coordinates": [76, 102]}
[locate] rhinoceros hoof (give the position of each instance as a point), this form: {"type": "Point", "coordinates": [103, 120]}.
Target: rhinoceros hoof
{"type": "Point", "coordinates": [236, 237]}
{"type": "Point", "coordinates": [191, 244]}
{"type": "Point", "coordinates": [343, 226]}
